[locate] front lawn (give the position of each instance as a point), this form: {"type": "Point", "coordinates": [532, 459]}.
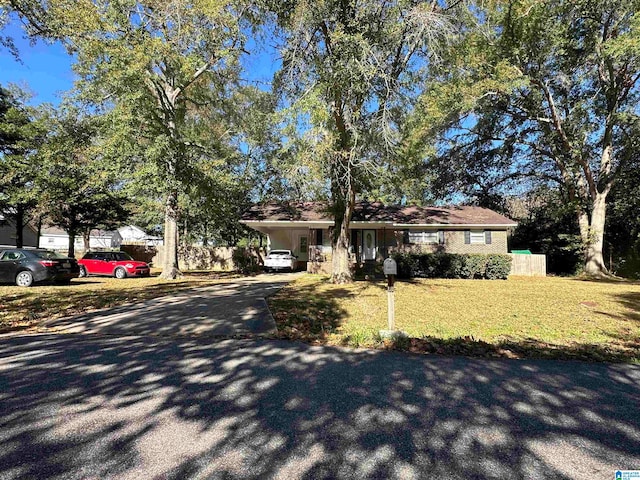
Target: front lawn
{"type": "Point", "coordinates": [521, 317]}
{"type": "Point", "coordinates": [26, 308]}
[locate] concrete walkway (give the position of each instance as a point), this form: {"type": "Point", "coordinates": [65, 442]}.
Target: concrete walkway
{"type": "Point", "coordinates": [229, 308]}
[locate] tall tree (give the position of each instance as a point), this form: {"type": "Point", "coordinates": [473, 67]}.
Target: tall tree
{"type": "Point", "coordinates": [152, 62]}
{"type": "Point", "coordinates": [22, 129]}
{"type": "Point", "coordinates": [622, 238]}
{"type": "Point", "coordinates": [545, 89]}
{"type": "Point", "coordinates": [349, 68]}
{"type": "Point", "coordinates": [78, 193]}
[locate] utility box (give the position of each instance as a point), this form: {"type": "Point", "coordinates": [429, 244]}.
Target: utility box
{"type": "Point", "coordinates": [390, 267]}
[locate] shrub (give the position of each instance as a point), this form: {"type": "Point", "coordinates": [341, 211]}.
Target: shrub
{"type": "Point", "coordinates": [498, 267]}
{"type": "Point", "coordinates": [244, 261]}
{"type": "Point", "coordinates": [452, 265]}
{"type": "Point", "coordinates": [455, 266]}
{"type": "Point", "coordinates": [407, 265]}
{"type": "Point", "coordinates": [473, 266]}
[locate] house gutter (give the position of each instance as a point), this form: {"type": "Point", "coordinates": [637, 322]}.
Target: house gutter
{"type": "Point", "coordinates": [456, 225]}
{"type": "Point", "coordinates": [361, 224]}
{"type": "Point", "coordinates": [286, 223]}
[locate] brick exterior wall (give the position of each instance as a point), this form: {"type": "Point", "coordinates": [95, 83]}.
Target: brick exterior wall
{"type": "Point", "coordinates": [392, 241]}
{"type": "Point", "coordinates": [454, 243]}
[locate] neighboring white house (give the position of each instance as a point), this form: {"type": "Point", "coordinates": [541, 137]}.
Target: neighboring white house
{"type": "Point", "coordinates": [8, 234]}
{"type": "Point", "coordinates": [105, 239]}
{"type": "Point", "coordinates": [55, 238]}
{"type": "Point", "coordinates": [133, 235]}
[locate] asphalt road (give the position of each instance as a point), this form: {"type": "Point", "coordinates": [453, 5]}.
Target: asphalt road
{"type": "Point", "coordinates": [101, 406]}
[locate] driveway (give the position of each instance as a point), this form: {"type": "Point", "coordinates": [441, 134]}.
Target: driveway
{"type": "Point", "coordinates": [97, 406]}
{"type": "Point", "coordinates": [229, 308]}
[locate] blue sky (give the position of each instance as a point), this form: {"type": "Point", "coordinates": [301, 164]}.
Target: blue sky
{"type": "Point", "coordinates": [45, 68]}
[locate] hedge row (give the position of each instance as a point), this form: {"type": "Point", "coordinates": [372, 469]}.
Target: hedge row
{"type": "Point", "coordinates": [453, 265]}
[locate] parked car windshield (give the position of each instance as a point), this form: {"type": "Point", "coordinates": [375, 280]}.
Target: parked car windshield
{"type": "Point", "coordinates": [280, 252]}
{"type": "Point", "coordinates": [121, 256]}
{"type": "Point", "coordinates": [48, 254]}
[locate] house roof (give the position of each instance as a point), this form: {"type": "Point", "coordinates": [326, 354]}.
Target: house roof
{"type": "Point", "coordinates": [131, 231]}
{"type": "Point", "coordinates": [52, 231]}
{"type": "Point", "coordinates": [56, 231]}
{"type": "Point", "coordinates": [377, 212]}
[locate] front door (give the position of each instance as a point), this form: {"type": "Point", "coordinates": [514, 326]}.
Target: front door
{"type": "Point", "coordinates": [302, 247]}
{"type": "Point", "coordinates": [369, 245]}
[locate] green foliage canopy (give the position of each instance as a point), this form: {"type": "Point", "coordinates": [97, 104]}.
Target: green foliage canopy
{"type": "Point", "coordinates": [539, 89]}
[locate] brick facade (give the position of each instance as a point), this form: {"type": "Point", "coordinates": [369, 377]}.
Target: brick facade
{"type": "Point", "coordinates": [392, 241]}
{"type": "Point", "coordinates": [454, 243]}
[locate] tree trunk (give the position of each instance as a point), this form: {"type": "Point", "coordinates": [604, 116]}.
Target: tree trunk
{"type": "Point", "coordinates": [39, 230]}
{"type": "Point", "coordinates": [594, 265]}
{"type": "Point", "coordinates": [186, 232]}
{"type": "Point", "coordinates": [19, 217]}
{"type": "Point", "coordinates": [341, 266]}
{"type": "Point", "coordinates": [170, 268]}
{"type": "Point", "coordinates": [205, 235]}
{"type": "Point", "coordinates": [72, 244]}
{"type": "Point", "coordinates": [86, 241]}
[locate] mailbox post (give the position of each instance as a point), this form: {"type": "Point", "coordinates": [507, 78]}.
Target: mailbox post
{"type": "Point", "coordinates": [390, 269]}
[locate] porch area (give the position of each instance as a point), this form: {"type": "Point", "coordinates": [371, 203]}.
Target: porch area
{"type": "Point", "coordinates": [369, 247]}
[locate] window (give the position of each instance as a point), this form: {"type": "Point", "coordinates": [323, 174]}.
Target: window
{"type": "Point", "coordinates": [476, 236]}
{"type": "Point", "coordinates": [12, 256]}
{"type": "Point", "coordinates": [48, 254]}
{"type": "Point", "coordinates": [423, 238]}
{"type": "Point", "coordinates": [303, 244]}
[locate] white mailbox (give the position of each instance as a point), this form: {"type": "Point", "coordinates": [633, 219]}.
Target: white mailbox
{"type": "Point", "coordinates": [390, 267]}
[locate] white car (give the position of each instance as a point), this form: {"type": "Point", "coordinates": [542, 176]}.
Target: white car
{"type": "Point", "coordinates": [280, 260]}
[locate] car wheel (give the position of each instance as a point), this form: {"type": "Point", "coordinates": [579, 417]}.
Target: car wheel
{"type": "Point", "coordinates": [83, 271]}
{"type": "Point", "coordinates": [24, 279]}
{"type": "Point", "coordinates": [120, 273]}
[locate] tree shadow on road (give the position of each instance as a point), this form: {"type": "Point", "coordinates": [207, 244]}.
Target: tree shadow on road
{"type": "Point", "coordinates": [89, 406]}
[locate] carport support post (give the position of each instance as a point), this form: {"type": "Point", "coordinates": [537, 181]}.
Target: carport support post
{"type": "Point", "coordinates": [391, 302]}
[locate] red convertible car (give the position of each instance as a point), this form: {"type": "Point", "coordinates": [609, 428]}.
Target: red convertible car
{"type": "Point", "coordinates": [114, 264]}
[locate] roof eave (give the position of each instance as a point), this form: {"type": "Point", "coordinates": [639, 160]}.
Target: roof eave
{"type": "Point", "coordinates": [285, 223]}
{"type": "Point", "coordinates": [456, 225]}
{"type": "Point", "coordinates": [360, 223]}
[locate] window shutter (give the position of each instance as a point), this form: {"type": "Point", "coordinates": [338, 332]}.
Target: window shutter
{"type": "Point", "coordinates": [405, 237]}
{"type": "Point", "coordinates": [487, 237]}
{"type": "Point", "coordinates": [467, 237]}
{"type": "Point", "coordinates": [441, 237]}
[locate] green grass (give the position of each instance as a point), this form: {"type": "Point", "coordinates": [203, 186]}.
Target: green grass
{"type": "Point", "coordinates": [540, 317]}
{"type": "Point", "coordinates": [521, 317]}
{"type": "Point", "coordinates": [26, 308]}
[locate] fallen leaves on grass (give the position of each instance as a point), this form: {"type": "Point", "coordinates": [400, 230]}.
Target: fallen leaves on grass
{"type": "Point", "coordinates": [27, 308]}
{"type": "Point", "coordinates": [521, 318]}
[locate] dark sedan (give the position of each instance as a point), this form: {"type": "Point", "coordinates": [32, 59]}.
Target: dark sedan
{"type": "Point", "coordinates": [25, 267]}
